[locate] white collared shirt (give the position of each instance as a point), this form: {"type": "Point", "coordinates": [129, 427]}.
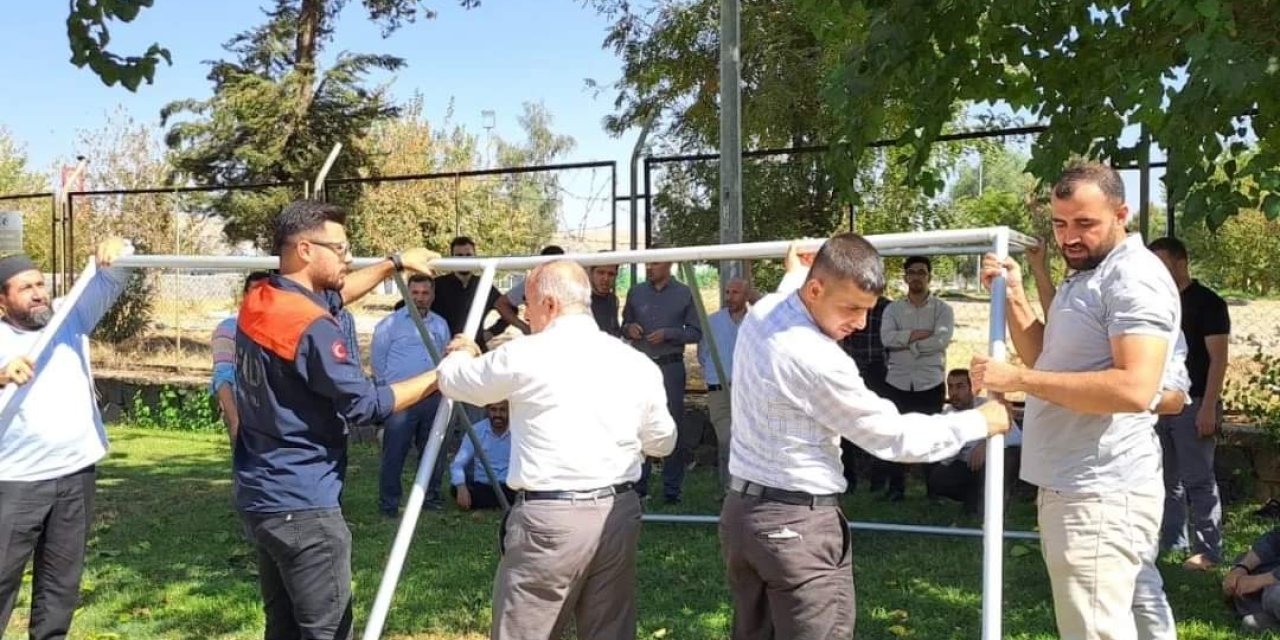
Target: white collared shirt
{"type": "Point", "coordinates": [796, 393]}
{"type": "Point", "coordinates": [585, 407]}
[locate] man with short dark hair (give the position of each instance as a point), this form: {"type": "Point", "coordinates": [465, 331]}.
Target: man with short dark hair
{"type": "Point", "coordinates": [472, 488]}
{"type": "Point", "coordinates": [795, 395]}
{"type": "Point", "coordinates": [399, 354]}
{"type": "Point", "coordinates": [867, 351]}
{"type": "Point", "coordinates": [455, 291]}
{"type": "Point", "coordinates": [723, 326]}
{"type": "Point", "coordinates": [1092, 375]}
{"type": "Point", "coordinates": [49, 447]}
{"type": "Point", "coordinates": [223, 346]}
{"type": "Point", "coordinates": [1187, 438]}
{"type": "Point", "coordinates": [659, 319]}
{"type": "Point", "coordinates": [604, 298]}
{"type": "Point", "coordinates": [298, 390]}
{"type": "Point", "coordinates": [916, 331]}
{"type": "Point", "coordinates": [962, 477]}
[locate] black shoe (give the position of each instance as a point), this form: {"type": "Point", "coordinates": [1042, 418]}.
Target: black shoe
{"type": "Point", "coordinates": [1269, 510]}
{"type": "Point", "coordinates": [671, 500]}
{"type": "Point", "coordinates": [390, 514]}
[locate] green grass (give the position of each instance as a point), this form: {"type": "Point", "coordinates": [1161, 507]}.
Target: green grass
{"type": "Point", "coordinates": [167, 561]}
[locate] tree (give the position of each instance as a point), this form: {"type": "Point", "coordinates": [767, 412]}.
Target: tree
{"type": "Point", "coordinates": [275, 115]}
{"type": "Point", "coordinates": [512, 214]}
{"type": "Point", "coordinates": [1187, 71]}
{"type": "Point", "coordinates": [88, 34]}
{"type": "Point", "coordinates": [16, 178]}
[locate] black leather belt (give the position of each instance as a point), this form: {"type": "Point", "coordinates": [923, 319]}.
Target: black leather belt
{"type": "Point", "coordinates": [668, 359]}
{"type": "Point", "coordinates": [798, 498]}
{"type": "Point", "coordinates": [714, 387]}
{"type": "Point", "coordinates": [588, 494]}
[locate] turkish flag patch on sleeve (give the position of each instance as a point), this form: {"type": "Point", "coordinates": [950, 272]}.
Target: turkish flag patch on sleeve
{"type": "Point", "coordinates": [339, 350]}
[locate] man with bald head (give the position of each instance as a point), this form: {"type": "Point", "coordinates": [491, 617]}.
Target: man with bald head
{"type": "Point", "coordinates": [724, 328]}
{"type": "Point", "coordinates": [584, 411]}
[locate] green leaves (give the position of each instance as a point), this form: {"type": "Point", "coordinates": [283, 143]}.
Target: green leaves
{"type": "Point", "coordinates": [1187, 70]}
{"type": "Point", "coordinates": [88, 36]}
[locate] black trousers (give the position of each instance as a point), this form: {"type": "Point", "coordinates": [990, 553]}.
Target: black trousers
{"type": "Point", "coordinates": [483, 497]}
{"type": "Point", "coordinates": [304, 572]}
{"type": "Point", "coordinates": [927, 401]}
{"type": "Point", "coordinates": [47, 520]}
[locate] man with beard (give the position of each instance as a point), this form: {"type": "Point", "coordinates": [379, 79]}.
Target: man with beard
{"type": "Point", "coordinates": [470, 487]}
{"type": "Point", "coordinates": [1092, 379]}
{"type": "Point", "coordinates": [916, 331]}
{"type": "Point", "coordinates": [298, 389]}
{"type": "Point", "coordinates": [49, 449]}
{"type": "Point", "coordinates": [399, 354]}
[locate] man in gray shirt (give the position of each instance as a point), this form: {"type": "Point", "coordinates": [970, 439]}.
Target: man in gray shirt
{"type": "Point", "coordinates": [659, 319]}
{"type": "Point", "coordinates": [1092, 380]}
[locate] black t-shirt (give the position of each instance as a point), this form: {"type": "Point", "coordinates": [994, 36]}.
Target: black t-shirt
{"type": "Point", "coordinates": [453, 301]}
{"type": "Point", "coordinates": [1204, 314]}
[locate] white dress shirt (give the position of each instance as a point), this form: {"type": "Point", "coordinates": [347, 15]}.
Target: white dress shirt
{"type": "Point", "coordinates": [796, 393]}
{"type": "Point", "coordinates": [585, 407]}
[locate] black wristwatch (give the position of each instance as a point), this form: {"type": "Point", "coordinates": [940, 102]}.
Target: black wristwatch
{"type": "Point", "coordinates": [1240, 565]}
{"type": "Point", "coordinates": [396, 262]}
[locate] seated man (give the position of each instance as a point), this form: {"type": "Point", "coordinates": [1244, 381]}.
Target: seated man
{"type": "Point", "coordinates": [1253, 584]}
{"type": "Point", "coordinates": [962, 477]}
{"type": "Point", "coordinates": [471, 487]}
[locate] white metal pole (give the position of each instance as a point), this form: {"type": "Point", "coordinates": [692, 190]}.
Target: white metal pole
{"type": "Point", "coordinates": [324, 170]}
{"type": "Point", "coordinates": [993, 514]}
{"type": "Point", "coordinates": [409, 522]}
{"type": "Point", "coordinates": [884, 527]}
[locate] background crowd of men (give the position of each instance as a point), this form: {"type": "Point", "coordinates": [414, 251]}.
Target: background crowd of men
{"type": "Point", "coordinates": [813, 376]}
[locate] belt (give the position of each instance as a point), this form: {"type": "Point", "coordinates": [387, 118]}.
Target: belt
{"type": "Point", "coordinates": [587, 494]}
{"type": "Point", "coordinates": [670, 358]}
{"type": "Point", "coordinates": [714, 387]}
{"type": "Point", "coordinates": [798, 498]}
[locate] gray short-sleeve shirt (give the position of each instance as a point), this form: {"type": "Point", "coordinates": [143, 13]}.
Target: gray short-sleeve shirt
{"type": "Point", "coordinates": [1130, 293]}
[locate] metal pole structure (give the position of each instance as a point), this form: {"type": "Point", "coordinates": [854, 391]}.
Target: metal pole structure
{"type": "Point", "coordinates": [648, 203]}
{"type": "Point", "coordinates": [69, 238]}
{"type": "Point", "coordinates": [1144, 186]}
{"type": "Point", "coordinates": [993, 511]}
{"type": "Point", "coordinates": [459, 419]}
{"type": "Point", "coordinates": [319, 188]}
{"type": "Point", "coordinates": [409, 522]}
{"type": "Point", "coordinates": [691, 279]}
{"type": "Point", "coordinates": [613, 207]}
{"type": "Point", "coordinates": [665, 518]}
{"type": "Point", "coordinates": [53, 242]}
{"type": "Point", "coordinates": [966, 241]}
{"type": "Point", "coordinates": [1170, 224]}
{"type": "Point", "coordinates": [635, 188]}
{"type": "Point", "coordinates": [730, 134]}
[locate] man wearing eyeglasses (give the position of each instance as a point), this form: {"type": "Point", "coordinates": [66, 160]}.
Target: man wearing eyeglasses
{"type": "Point", "coordinates": [298, 389]}
{"type": "Point", "coordinates": [916, 331]}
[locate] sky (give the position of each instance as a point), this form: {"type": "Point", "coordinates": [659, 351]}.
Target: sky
{"type": "Point", "coordinates": [494, 57]}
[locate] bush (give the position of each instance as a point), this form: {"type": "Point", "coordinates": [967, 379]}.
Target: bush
{"type": "Point", "coordinates": [177, 409]}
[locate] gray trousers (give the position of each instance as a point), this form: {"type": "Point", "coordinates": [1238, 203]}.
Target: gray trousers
{"type": "Point", "coordinates": [718, 407]}
{"type": "Point", "coordinates": [568, 561]}
{"type": "Point", "coordinates": [790, 570]}
{"type": "Point", "coordinates": [1190, 485]}
{"type": "Point", "coordinates": [1151, 611]}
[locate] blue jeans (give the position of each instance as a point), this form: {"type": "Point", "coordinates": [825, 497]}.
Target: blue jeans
{"type": "Point", "coordinates": [687, 436]}
{"type": "Point", "coordinates": [1190, 486]}
{"type": "Point", "coordinates": [405, 429]}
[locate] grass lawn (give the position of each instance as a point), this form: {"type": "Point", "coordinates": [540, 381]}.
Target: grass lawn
{"type": "Point", "coordinates": [167, 561]}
